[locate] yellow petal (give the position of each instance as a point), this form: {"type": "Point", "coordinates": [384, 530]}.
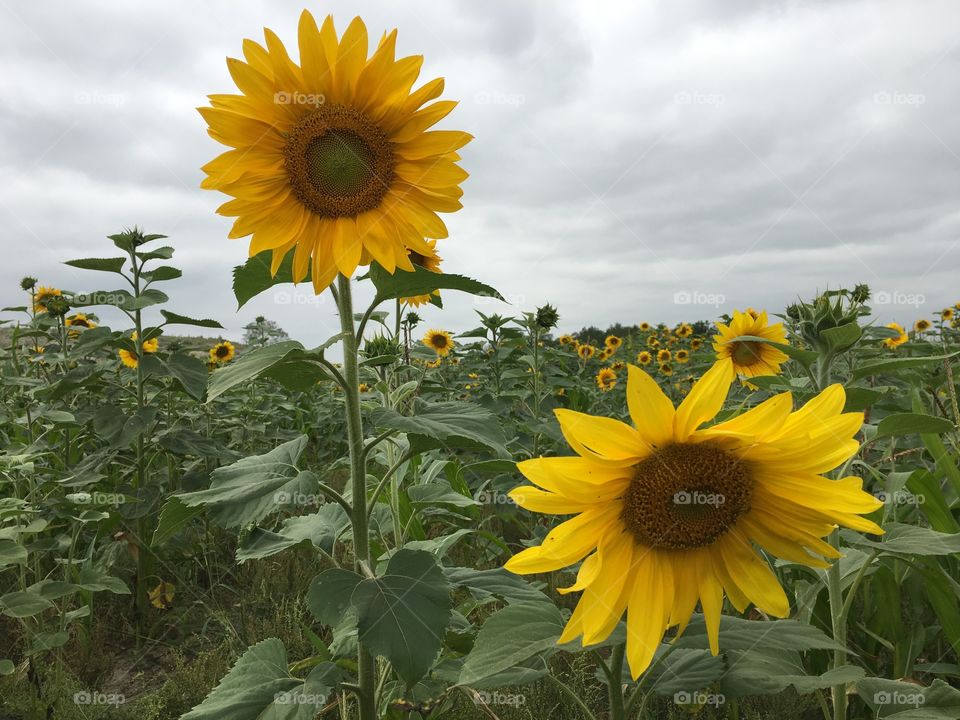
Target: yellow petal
{"type": "Point", "coordinates": [567, 543]}
{"type": "Point", "coordinates": [647, 614]}
{"type": "Point", "coordinates": [752, 575]}
{"type": "Point", "coordinates": [576, 478]}
{"type": "Point", "coordinates": [704, 400]}
{"type": "Point", "coordinates": [351, 57]}
{"type": "Point", "coordinates": [540, 501]}
{"type": "Point", "coordinates": [601, 439]}
{"type": "Point", "coordinates": [651, 411]}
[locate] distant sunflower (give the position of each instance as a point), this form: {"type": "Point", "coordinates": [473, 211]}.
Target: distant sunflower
{"type": "Point", "coordinates": [434, 364]}
{"type": "Point", "coordinates": [644, 327]}
{"type": "Point", "coordinates": [613, 343]}
{"type": "Point", "coordinates": [566, 340]}
{"type": "Point", "coordinates": [332, 158]}
{"type": "Point", "coordinates": [946, 314]}
{"type": "Point", "coordinates": [666, 369]}
{"type": "Point", "coordinates": [440, 341]}
{"type": "Point", "coordinates": [604, 354]}
{"type": "Point", "coordinates": [80, 320]}
{"type": "Point", "coordinates": [42, 295]}
{"type": "Point", "coordinates": [921, 325]}
{"type": "Point", "coordinates": [684, 330]}
{"type": "Point", "coordinates": [696, 344]}
{"type": "Point", "coordinates": [131, 359]}
{"type": "Point", "coordinates": [681, 356]}
{"type": "Point", "coordinates": [895, 342]}
{"type": "Point", "coordinates": [653, 342]}
{"type": "Point", "coordinates": [586, 351]}
{"type": "Point", "coordinates": [664, 356]}
{"type": "Point", "coordinates": [222, 352]}
{"type": "Point", "coordinates": [644, 357]}
{"type": "Point", "coordinates": [606, 379]}
{"type": "Point", "coordinates": [655, 538]}
{"type": "Point", "coordinates": [427, 262]}
{"type": "Point", "coordinates": [617, 366]}
{"type": "Point", "coordinates": [751, 357]}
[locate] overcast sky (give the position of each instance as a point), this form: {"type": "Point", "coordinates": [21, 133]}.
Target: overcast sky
{"type": "Point", "coordinates": [633, 160]}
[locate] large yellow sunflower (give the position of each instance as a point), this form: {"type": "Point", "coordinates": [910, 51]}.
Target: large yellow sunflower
{"type": "Point", "coordinates": [751, 357]}
{"type": "Point", "coordinates": [332, 158]}
{"type": "Point", "coordinates": [668, 512]}
{"type": "Point", "coordinates": [440, 341]}
{"type": "Point", "coordinates": [427, 262]}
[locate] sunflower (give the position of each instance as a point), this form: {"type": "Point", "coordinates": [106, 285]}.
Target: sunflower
{"type": "Point", "coordinates": [440, 341]}
{"type": "Point", "coordinates": [684, 330]}
{"type": "Point", "coordinates": [332, 158]}
{"type": "Point", "coordinates": [696, 344]}
{"type": "Point", "coordinates": [673, 510]}
{"type": "Point", "coordinates": [604, 354]}
{"type": "Point", "coordinates": [42, 294]}
{"type": "Point", "coordinates": [946, 314]}
{"type": "Point", "coordinates": [617, 366]}
{"type": "Point", "coordinates": [664, 356]}
{"type": "Point", "coordinates": [363, 387]}
{"type": "Point", "coordinates": [921, 325]}
{"type": "Point", "coordinates": [895, 342]}
{"type": "Point", "coordinates": [80, 320]}
{"type": "Point", "coordinates": [131, 359]}
{"type": "Point", "coordinates": [666, 369]}
{"type": "Point", "coordinates": [644, 327]}
{"type": "Point", "coordinates": [427, 262]}
{"type": "Point", "coordinates": [566, 340]}
{"type": "Point", "coordinates": [586, 351]}
{"type": "Point", "coordinates": [606, 379]}
{"type": "Point", "coordinates": [653, 342]}
{"type": "Point", "coordinates": [613, 343]}
{"type": "Point", "coordinates": [682, 356]}
{"type": "Point", "coordinates": [751, 357]}
{"type": "Point", "coordinates": [434, 364]}
{"type": "Point", "coordinates": [222, 352]}
{"type": "Point", "coordinates": [644, 357]}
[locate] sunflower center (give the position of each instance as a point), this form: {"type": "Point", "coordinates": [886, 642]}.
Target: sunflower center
{"type": "Point", "coordinates": [686, 496]}
{"type": "Point", "coordinates": [340, 164]}
{"type": "Point", "coordinates": [439, 341]}
{"type": "Point", "coordinates": [223, 351]}
{"type": "Point", "coordinates": [746, 352]}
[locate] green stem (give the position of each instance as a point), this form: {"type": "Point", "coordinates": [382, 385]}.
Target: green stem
{"type": "Point", "coordinates": [366, 667]}
{"type": "Point", "coordinates": [615, 683]}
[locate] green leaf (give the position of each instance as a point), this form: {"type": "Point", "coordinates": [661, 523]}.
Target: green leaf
{"type": "Point", "coordinates": [900, 424]}
{"type": "Point", "coordinates": [250, 365]}
{"type": "Point", "coordinates": [11, 553]}
{"type": "Point", "coordinates": [496, 582]}
{"type": "Point", "coordinates": [251, 688]}
{"type": "Point", "coordinates": [191, 372]}
{"type": "Point", "coordinates": [145, 299]}
{"type": "Point", "coordinates": [740, 634]}
{"type": "Point", "coordinates": [766, 672]}
{"type": "Point", "coordinates": [438, 493]}
{"type": "Point", "coordinates": [254, 487]}
{"type": "Point", "coordinates": [892, 365]}
{"type": "Point", "coordinates": [445, 425]}
{"type": "Point", "coordinates": [903, 539]}
{"type": "Point", "coordinates": [161, 253]}
{"type": "Point", "coordinates": [841, 337]}
{"type": "Point", "coordinates": [23, 604]}
{"type": "Point", "coordinates": [683, 671]}
{"type": "Point", "coordinates": [114, 264]}
{"type": "Point", "coordinates": [173, 516]}
{"type": "Point", "coordinates": [173, 318]}
{"type": "Point", "coordinates": [45, 641]}
{"type": "Point", "coordinates": [423, 282]}
{"type": "Point", "coordinates": [253, 277]}
{"type": "Point", "coordinates": [511, 637]}
{"type": "Point", "coordinates": [322, 529]}
{"type": "Point", "coordinates": [162, 272]}
{"type": "Point", "coordinates": [907, 701]}
{"type": "Point", "coordinates": [96, 581]}
{"type": "Point", "coordinates": [7, 667]}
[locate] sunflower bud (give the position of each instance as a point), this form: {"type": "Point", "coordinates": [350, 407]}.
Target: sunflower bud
{"type": "Point", "coordinates": [28, 283]}
{"type": "Point", "coordinates": [382, 346]}
{"type": "Point", "coordinates": [57, 305]}
{"type": "Point", "coordinates": [547, 317]}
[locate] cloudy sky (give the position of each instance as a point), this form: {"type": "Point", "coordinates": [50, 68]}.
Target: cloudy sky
{"type": "Point", "coordinates": [633, 161]}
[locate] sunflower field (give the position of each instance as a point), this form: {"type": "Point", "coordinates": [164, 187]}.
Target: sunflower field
{"type": "Point", "coordinates": [750, 516]}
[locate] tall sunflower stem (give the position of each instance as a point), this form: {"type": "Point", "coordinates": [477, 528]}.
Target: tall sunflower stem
{"type": "Point", "coordinates": [366, 664]}
{"type": "Point", "coordinates": [615, 682]}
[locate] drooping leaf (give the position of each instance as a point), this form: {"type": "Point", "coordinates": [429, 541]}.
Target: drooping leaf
{"type": "Point", "coordinates": [445, 425]}
{"type": "Point", "coordinates": [173, 318]}
{"type": "Point", "coordinates": [423, 282]}
{"type": "Point", "coordinates": [114, 264]}
{"type": "Point", "coordinates": [900, 424]}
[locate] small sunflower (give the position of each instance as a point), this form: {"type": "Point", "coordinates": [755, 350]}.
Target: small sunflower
{"type": "Point", "coordinates": [617, 366]}
{"type": "Point", "coordinates": [644, 357]}
{"type": "Point", "coordinates": [921, 325]}
{"type": "Point", "coordinates": [666, 369]}
{"type": "Point", "coordinates": [664, 356]}
{"type": "Point", "coordinates": [363, 387]}
{"type": "Point", "coordinates": [80, 320]}
{"type": "Point", "coordinates": [131, 359]}
{"type": "Point", "coordinates": [669, 514]}
{"type": "Point", "coordinates": [604, 354]}
{"type": "Point", "coordinates": [644, 327]}
{"type": "Point", "coordinates": [606, 379]}
{"type": "Point", "coordinates": [684, 330]}
{"type": "Point", "coordinates": [333, 159]}
{"type": "Point", "coordinates": [222, 352]}
{"type": "Point", "coordinates": [42, 295]}
{"type": "Point", "coordinates": [696, 344]}
{"type": "Point", "coordinates": [586, 351]}
{"type": "Point", "coordinates": [434, 364]}
{"type": "Point", "coordinates": [566, 340]}
{"type": "Point", "coordinates": [653, 342]}
{"type": "Point", "coordinates": [440, 341]}
{"type": "Point", "coordinates": [427, 262]}
{"type": "Point", "coordinates": [946, 314]}
{"type": "Point", "coordinates": [613, 343]}
{"type": "Point", "coordinates": [895, 342]}
{"type": "Point", "coordinates": [682, 356]}
{"type": "Point", "coordinates": [751, 357]}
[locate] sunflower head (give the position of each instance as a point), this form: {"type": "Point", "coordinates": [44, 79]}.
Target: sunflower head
{"type": "Point", "coordinates": [586, 351]}
{"type": "Point", "coordinates": [666, 369]}
{"type": "Point", "coordinates": [604, 354]}
{"type": "Point", "coordinates": [42, 295]}
{"type": "Point", "coordinates": [681, 356]}
{"type": "Point", "coordinates": [921, 325]}
{"type": "Point", "coordinates": [946, 314]}
{"type": "Point", "coordinates": [223, 352]}
{"type": "Point", "coordinates": [566, 340]}
{"type": "Point", "coordinates": [670, 512]}
{"type": "Point", "coordinates": [613, 343]}
{"type": "Point", "coordinates": [696, 344]}
{"type": "Point", "coordinates": [606, 379]}
{"type": "Point", "coordinates": [891, 343]}
{"type": "Point", "coordinates": [684, 330]}
{"type": "Point", "coordinates": [333, 159]}
{"type": "Point", "coordinates": [78, 320]}
{"type": "Point", "coordinates": [427, 262]}
{"type": "Point", "coordinates": [751, 357]}
{"type": "Point", "coordinates": [644, 357]}
{"type": "Point", "coordinates": [440, 341]}
{"type": "Point", "coordinates": [653, 342]}
{"type": "Point", "coordinates": [644, 327]}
